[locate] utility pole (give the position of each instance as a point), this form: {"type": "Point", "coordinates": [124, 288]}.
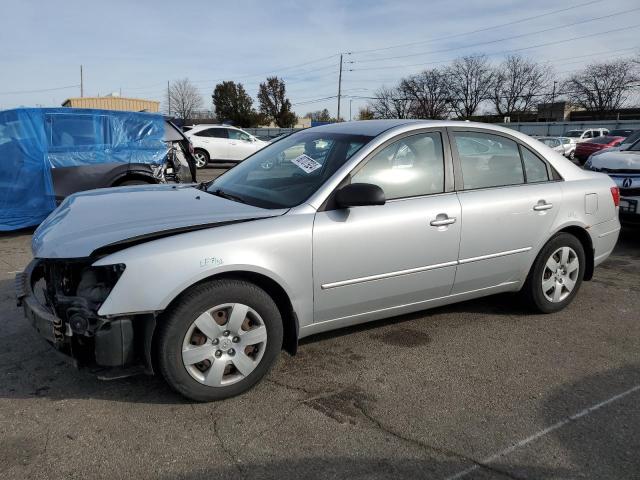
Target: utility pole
{"type": "Point", "coordinates": [350, 102]}
{"type": "Point", "coordinates": [339, 88]}
{"type": "Point", "coordinates": [81, 83]}
{"type": "Point", "coordinates": [169, 98]}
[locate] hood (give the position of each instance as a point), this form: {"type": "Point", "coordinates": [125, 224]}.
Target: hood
{"type": "Point", "coordinates": [616, 160]}
{"type": "Point", "coordinates": [96, 219]}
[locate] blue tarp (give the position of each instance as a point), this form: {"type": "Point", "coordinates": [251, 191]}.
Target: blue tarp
{"type": "Point", "coordinates": [35, 140]}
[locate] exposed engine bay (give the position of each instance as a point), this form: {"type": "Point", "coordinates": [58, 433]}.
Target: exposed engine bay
{"type": "Point", "coordinates": [71, 292]}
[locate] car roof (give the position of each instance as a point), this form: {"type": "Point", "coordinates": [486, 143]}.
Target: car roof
{"type": "Point", "coordinates": [209, 125]}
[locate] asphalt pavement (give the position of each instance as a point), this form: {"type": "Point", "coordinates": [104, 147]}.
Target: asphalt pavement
{"type": "Point", "coordinates": [483, 389]}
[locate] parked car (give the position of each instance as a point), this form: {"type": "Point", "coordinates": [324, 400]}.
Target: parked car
{"type": "Point", "coordinates": [206, 284]}
{"type": "Point", "coordinates": [586, 148]}
{"type": "Point", "coordinates": [562, 145]}
{"type": "Point", "coordinates": [623, 166]}
{"type": "Point", "coordinates": [621, 132]}
{"type": "Point", "coordinates": [222, 143]}
{"type": "Point", "coordinates": [48, 154]}
{"type": "Point", "coordinates": [578, 136]}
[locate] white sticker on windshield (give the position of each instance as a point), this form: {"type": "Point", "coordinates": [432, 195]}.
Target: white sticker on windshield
{"type": "Point", "coordinates": [306, 163]}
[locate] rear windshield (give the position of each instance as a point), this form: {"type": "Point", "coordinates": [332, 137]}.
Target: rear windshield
{"type": "Point", "coordinates": [603, 140]}
{"type": "Point", "coordinates": [573, 133]}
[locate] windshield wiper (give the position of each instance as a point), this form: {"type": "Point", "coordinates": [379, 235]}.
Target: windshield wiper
{"type": "Point", "coordinates": [229, 196]}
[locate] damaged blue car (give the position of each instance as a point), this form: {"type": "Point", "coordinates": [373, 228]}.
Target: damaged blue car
{"type": "Point", "coordinates": [47, 154]}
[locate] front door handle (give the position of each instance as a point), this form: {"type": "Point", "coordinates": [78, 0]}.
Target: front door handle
{"type": "Point", "coordinates": [542, 205]}
{"type": "Point", "coordinates": [442, 220]}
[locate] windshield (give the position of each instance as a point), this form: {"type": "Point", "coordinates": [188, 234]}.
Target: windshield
{"type": "Point", "coordinates": [573, 133]}
{"type": "Point", "coordinates": [604, 140]}
{"type": "Point", "coordinates": [285, 173]}
{"type": "Point", "coordinates": [632, 138]}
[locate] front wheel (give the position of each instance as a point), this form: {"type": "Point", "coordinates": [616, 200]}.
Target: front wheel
{"type": "Point", "coordinates": [556, 275]}
{"type": "Point", "coordinates": [219, 340]}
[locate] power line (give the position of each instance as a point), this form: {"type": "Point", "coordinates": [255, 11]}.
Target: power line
{"type": "Point", "coordinates": [448, 37]}
{"type": "Point", "coordinates": [538, 45]}
{"type": "Point", "coordinates": [40, 90]}
{"type": "Point", "coordinates": [499, 40]}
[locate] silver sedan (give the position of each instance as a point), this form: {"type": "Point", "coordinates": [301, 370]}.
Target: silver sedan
{"type": "Point", "coordinates": [206, 284]}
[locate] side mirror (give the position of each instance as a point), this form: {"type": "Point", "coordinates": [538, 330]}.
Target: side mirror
{"type": "Point", "coordinates": [359, 195]}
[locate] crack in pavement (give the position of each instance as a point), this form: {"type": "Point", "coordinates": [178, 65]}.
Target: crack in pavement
{"type": "Point", "coordinates": [228, 452]}
{"type": "Point", "coordinates": [425, 446]}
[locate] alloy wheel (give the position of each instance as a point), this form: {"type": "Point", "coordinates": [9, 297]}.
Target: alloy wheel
{"type": "Point", "coordinates": [224, 344]}
{"type": "Point", "coordinates": [560, 274]}
{"type": "Point", "coordinates": [201, 159]}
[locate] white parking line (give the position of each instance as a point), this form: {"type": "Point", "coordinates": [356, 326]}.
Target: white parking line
{"type": "Point", "coordinates": [542, 433]}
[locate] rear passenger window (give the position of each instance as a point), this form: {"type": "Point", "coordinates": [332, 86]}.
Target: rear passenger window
{"type": "Point", "coordinates": [409, 167]}
{"type": "Point", "coordinates": [212, 133]}
{"type": "Point", "coordinates": [535, 169]}
{"type": "Point", "coordinates": [76, 130]}
{"type": "Point", "coordinates": [488, 160]}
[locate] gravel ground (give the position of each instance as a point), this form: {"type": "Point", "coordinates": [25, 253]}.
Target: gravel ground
{"type": "Point", "coordinates": [482, 389]}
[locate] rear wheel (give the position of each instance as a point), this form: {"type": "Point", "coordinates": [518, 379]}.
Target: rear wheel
{"type": "Point", "coordinates": [219, 340]}
{"type": "Point", "coordinates": [556, 275]}
{"type": "Point", "coordinates": [201, 157]}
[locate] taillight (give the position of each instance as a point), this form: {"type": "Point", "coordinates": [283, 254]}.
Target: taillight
{"type": "Point", "coordinates": [615, 193]}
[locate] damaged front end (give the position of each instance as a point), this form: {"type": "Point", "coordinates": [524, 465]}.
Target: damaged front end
{"type": "Point", "coordinates": [61, 299]}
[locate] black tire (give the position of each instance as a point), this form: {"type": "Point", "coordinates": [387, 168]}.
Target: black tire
{"type": "Point", "coordinates": [572, 156]}
{"type": "Point", "coordinates": [205, 154]}
{"type": "Point", "coordinates": [175, 323]}
{"type": "Point", "coordinates": [533, 290]}
{"type": "Point", "coordinates": [133, 182]}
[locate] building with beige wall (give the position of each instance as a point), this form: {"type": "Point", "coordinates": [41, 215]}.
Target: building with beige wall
{"type": "Point", "coordinates": [113, 102]}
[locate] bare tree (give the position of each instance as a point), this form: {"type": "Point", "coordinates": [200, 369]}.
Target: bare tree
{"type": "Point", "coordinates": [519, 84]}
{"type": "Point", "coordinates": [183, 99]}
{"type": "Point", "coordinates": [390, 103]}
{"type": "Point", "coordinates": [429, 94]}
{"type": "Point", "coordinates": [470, 80]}
{"type": "Point", "coordinates": [602, 87]}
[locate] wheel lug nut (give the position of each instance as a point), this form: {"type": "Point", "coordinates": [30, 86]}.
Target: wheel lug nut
{"type": "Point", "coordinates": [236, 339]}
{"type": "Point", "coordinates": [231, 351]}
{"type": "Point", "coordinates": [215, 341]}
{"type": "Point", "coordinates": [226, 333]}
{"type": "Point", "coordinates": [218, 353]}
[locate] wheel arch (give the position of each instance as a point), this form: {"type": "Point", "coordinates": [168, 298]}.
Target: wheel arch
{"type": "Point", "coordinates": [585, 239]}
{"type": "Point", "coordinates": [274, 289]}
{"type": "Point", "coordinates": [134, 175]}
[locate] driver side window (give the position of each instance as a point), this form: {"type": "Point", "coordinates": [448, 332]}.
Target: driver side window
{"type": "Point", "coordinates": [410, 167]}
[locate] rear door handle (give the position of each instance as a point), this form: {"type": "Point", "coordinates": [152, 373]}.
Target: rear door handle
{"type": "Point", "coordinates": [542, 205]}
{"type": "Point", "coordinates": [442, 220]}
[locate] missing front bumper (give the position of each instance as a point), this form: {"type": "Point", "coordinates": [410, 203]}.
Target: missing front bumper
{"type": "Point", "coordinates": [118, 343]}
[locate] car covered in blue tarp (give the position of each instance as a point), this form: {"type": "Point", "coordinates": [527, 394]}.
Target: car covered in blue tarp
{"type": "Point", "coordinates": [47, 154]}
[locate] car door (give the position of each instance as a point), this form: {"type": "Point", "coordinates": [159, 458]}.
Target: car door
{"type": "Point", "coordinates": [241, 144]}
{"type": "Point", "coordinates": [214, 140]}
{"type": "Point", "coordinates": [509, 199]}
{"type": "Point", "coordinates": [373, 261]}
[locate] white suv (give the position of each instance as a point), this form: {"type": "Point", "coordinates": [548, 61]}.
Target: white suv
{"type": "Point", "coordinates": [578, 136]}
{"type": "Point", "coordinates": [221, 142]}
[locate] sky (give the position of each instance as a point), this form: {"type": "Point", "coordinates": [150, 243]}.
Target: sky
{"type": "Point", "coordinates": [137, 47]}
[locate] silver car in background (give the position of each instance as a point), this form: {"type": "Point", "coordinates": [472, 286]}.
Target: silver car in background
{"type": "Point", "coordinates": [563, 145]}
{"type": "Point", "coordinates": [364, 220]}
